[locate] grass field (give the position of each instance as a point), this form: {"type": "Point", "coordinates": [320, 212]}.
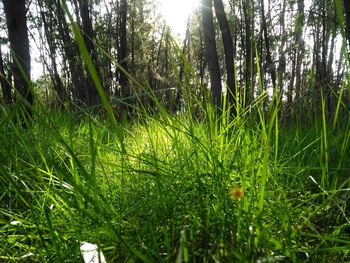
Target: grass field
{"type": "Point", "coordinates": [167, 188]}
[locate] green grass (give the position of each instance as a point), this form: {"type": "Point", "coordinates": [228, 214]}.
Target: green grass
{"type": "Point", "coordinates": [163, 193]}
{"type": "Point", "coordinates": [165, 188]}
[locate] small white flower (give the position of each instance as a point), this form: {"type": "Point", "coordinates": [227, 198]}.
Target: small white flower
{"type": "Point", "coordinates": [91, 253]}
{"type": "Point", "coordinates": [16, 223]}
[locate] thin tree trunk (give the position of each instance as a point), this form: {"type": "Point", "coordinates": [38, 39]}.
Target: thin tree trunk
{"type": "Point", "coordinates": [123, 80]}
{"type": "Point", "coordinates": [282, 60]}
{"type": "Point", "coordinates": [228, 52]}
{"type": "Point", "coordinates": [298, 36]}
{"type": "Point", "coordinates": [249, 92]}
{"type": "Point", "coordinates": [270, 64]}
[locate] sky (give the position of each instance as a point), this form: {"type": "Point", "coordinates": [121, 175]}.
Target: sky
{"type": "Point", "coordinates": [176, 13]}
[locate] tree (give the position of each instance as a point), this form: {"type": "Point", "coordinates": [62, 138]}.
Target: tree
{"type": "Point", "coordinates": [347, 17]}
{"type": "Point", "coordinates": [123, 79]}
{"type": "Point", "coordinates": [72, 64]}
{"type": "Point", "coordinates": [299, 43]}
{"type": "Point", "coordinates": [282, 59]}
{"type": "Point", "coordinates": [269, 63]}
{"type": "Point", "coordinates": [248, 12]}
{"type": "Point", "coordinates": [228, 52]}
{"type": "Point", "coordinates": [16, 20]}
{"type": "Point", "coordinates": [211, 52]}
{"type": "Point", "coordinates": [89, 36]}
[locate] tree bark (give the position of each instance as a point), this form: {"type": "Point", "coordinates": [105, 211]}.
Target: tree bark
{"type": "Point", "coordinates": [15, 12]}
{"type": "Point", "coordinates": [228, 52]}
{"type": "Point", "coordinates": [211, 52]}
{"type": "Point", "coordinates": [346, 4]}
{"type": "Point", "coordinates": [88, 35]}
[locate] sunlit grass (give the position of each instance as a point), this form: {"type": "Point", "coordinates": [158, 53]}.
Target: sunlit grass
{"type": "Point", "coordinates": [181, 189]}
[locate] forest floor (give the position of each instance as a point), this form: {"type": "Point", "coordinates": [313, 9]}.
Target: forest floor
{"type": "Point", "coordinates": [174, 188]}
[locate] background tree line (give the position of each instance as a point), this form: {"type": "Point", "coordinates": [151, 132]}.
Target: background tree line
{"type": "Point", "coordinates": [295, 49]}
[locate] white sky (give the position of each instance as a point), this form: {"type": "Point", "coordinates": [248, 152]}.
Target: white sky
{"type": "Point", "coordinates": [176, 13]}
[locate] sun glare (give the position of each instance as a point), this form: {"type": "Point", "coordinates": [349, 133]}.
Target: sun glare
{"type": "Point", "coordinates": [176, 13]}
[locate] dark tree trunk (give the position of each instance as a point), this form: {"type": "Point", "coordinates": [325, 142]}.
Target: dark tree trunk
{"type": "Point", "coordinates": [298, 35]}
{"type": "Point", "coordinates": [347, 17]}
{"type": "Point", "coordinates": [5, 82]}
{"type": "Point", "coordinates": [88, 35]}
{"type": "Point", "coordinates": [269, 62]}
{"type": "Point", "coordinates": [282, 59]}
{"type": "Point", "coordinates": [211, 52]}
{"type": "Point", "coordinates": [15, 11]}
{"type": "Point", "coordinates": [122, 54]}
{"type": "Point", "coordinates": [228, 51]}
{"type": "Point", "coordinates": [133, 40]}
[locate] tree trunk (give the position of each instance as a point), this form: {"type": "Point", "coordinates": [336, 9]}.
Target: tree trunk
{"type": "Point", "coordinates": [211, 52]}
{"type": "Point", "coordinates": [298, 36]}
{"type": "Point", "coordinates": [15, 11]}
{"type": "Point", "coordinates": [249, 54]}
{"type": "Point", "coordinates": [347, 17]}
{"type": "Point", "coordinates": [269, 62]}
{"type": "Point", "coordinates": [282, 59]}
{"type": "Point", "coordinates": [123, 80]}
{"type": "Point", "coordinates": [228, 52]}
{"type": "Point", "coordinates": [88, 35]}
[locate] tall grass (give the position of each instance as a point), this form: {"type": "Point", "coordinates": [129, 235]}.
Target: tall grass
{"type": "Point", "coordinates": [178, 188]}
{"type": "Point", "coordinates": [173, 192]}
